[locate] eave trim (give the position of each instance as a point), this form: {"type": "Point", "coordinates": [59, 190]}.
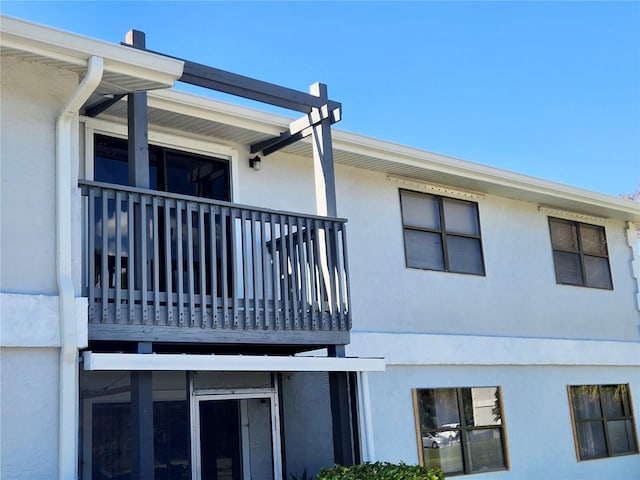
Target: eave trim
{"type": "Point", "coordinates": [228, 363]}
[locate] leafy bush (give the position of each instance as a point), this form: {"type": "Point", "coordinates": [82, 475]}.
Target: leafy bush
{"type": "Point", "coordinates": [381, 471]}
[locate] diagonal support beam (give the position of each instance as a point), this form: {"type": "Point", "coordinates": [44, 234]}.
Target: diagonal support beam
{"type": "Point", "coordinates": [100, 107]}
{"type": "Point", "coordinates": [300, 128]}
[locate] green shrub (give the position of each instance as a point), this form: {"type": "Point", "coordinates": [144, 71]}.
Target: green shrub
{"type": "Point", "coordinates": [381, 471]}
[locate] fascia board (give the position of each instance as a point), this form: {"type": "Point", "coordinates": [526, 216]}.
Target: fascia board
{"type": "Point", "coordinates": [409, 156]}
{"type": "Point", "coordinates": [76, 50]}
{"type": "Point", "coordinates": [228, 363]}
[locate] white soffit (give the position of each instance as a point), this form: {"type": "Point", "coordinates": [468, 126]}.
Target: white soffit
{"type": "Point", "coordinates": [228, 363]}
{"type": "Point", "coordinates": [126, 69]}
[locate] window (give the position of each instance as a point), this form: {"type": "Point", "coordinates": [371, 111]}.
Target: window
{"type": "Point", "coordinates": [441, 233]}
{"type": "Point", "coordinates": [460, 430]}
{"type": "Point", "coordinates": [580, 254]}
{"type": "Point", "coordinates": [169, 170]}
{"type": "Point", "coordinates": [602, 421]}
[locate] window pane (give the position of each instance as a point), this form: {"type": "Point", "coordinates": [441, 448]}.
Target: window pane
{"type": "Point", "coordinates": [111, 443]}
{"type": "Point", "coordinates": [420, 210]}
{"type": "Point", "coordinates": [568, 269]}
{"type": "Point", "coordinates": [593, 239]}
{"type": "Point", "coordinates": [423, 250]}
{"type": "Point", "coordinates": [563, 234]}
{"type": "Point", "coordinates": [461, 217]}
{"type": "Point", "coordinates": [193, 175]}
{"type": "Point", "coordinates": [586, 402]}
{"type": "Point", "coordinates": [481, 406]}
{"type": "Point", "coordinates": [485, 450]}
{"type": "Point", "coordinates": [621, 437]}
{"type": "Point", "coordinates": [613, 398]}
{"type": "Point", "coordinates": [447, 456]}
{"type": "Point", "coordinates": [596, 270]}
{"type": "Point", "coordinates": [438, 408]}
{"type": "Point", "coordinates": [591, 440]}
{"type": "Point", "coordinates": [465, 255]}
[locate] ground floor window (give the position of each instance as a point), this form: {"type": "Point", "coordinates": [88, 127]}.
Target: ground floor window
{"type": "Point", "coordinates": [460, 429]}
{"type": "Point", "coordinates": [603, 421]}
{"type": "Point", "coordinates": [111, 443]}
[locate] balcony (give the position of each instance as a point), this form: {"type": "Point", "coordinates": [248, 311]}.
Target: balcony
{"type": "Point", "coordinates": [161, 267]}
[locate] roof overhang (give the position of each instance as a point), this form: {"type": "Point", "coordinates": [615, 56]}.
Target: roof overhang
{"type": "Point", "coordinates": [206, 117]}
{"type": "Point", "coordinates": [228, 363]}
{"type": "Point", "coordinates": [125, 69]}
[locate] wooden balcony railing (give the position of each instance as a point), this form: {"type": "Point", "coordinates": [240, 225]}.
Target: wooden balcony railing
{"type": "Point", "coordinates": [172, 268]}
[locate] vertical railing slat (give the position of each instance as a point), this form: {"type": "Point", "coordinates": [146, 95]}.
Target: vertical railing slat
{"type": "Point", "coordinates": [340, 275]}
{"type": "Point", "coordinates": [284, 271]}
{"type": "Point", "coordinates": [202, 264]}
{"type": "Point", "coordinates": [313, 295]}
{"type": "Point", "coordinates": [302, 265]}
{"type": "Point", "coordinates": [91, 248]}
{"type": "Point", "coordinates": [319, 267]}
{"type": "Point", "coordinates": [214, 265]}
{"type": "Point", "coordinates": [144, 230]}
{"type": "Point", "coordinates": [244, 258]}
{"type": "Point", "coordinates": [255, 269]}
{"type": "Point", "coordinates": [168, 268]}
{"type": "Point", "coordinates": [331, 264]}
{"type": "Point", "coordinates": [118, 266]}
{"type": "Point", "coordinates": [179, 263]}
{"type": "Point", "coordinates": [224, 215]}
{"type": "Point", "coordinates": [190, 264]}
{"type": "Point", "coordinates": [293, 278]}
{"type": "Point", "coordinates": [131, 278]}
{"type": "Point", "coordinates": [345, 266]}
{"type": "Point", "coordinates": [277, 303]}
{"type": "Point", "coordinates": [104, 264]}
{"type": "Point", "coordinates": [234, 269]}
{"type": "Point", "coordinates": [265, 272]}
{"type": "Point", "coordinates": [156, 261]}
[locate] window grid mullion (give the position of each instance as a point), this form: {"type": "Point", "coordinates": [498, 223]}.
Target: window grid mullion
{"type": "Point", "coordinates": [464, 441]}
{"type": "Point", "coordinates": [443, 234]}
{"type": "Point", "coordinates": [581, 253]}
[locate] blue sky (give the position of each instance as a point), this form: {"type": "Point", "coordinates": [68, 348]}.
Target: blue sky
{"type": "Point", "coordinates": [548, 89]}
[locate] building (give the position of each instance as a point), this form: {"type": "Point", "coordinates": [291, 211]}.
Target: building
{"type": "Point", "coordinates": [178, 298]}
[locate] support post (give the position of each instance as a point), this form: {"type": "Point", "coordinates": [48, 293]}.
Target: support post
{"type": "Point", "coordinates": [142, 455]}
{"type": "Point", "coordinates": [323, 158]}
{"type": "Point", "coordinates": [343, 444]}
{"type": "Point", "coordinates": [138, 126]}
{"type": "Point", "coordinates": [141, 382]}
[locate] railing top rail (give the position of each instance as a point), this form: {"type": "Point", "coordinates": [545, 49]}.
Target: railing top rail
{"type": "Point", "coordinates": [189, 198]}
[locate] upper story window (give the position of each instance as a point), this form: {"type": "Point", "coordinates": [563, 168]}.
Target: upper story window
{"type": "Point", "coordinates": [602, 421]}
{"type": "Point", "coordinates": [460, 430]}
{"type": "Point", "coordinates": [580, 254]}
{"type": "Point", "coordinates": [169, 170]}
{"type": "Point", "coordinates": [441, 233]}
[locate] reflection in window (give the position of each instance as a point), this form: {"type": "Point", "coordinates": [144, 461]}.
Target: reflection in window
{"type": "Point", "coordinates": [460, 430]}
{"type": "Point", "coordinates": [603, 421]}
{"type": "Point", "coordinates": [111, 442]}
{"type": "Point", "coordinates": [441, 233]}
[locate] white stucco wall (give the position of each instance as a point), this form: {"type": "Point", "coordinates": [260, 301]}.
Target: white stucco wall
{"type": "Point", "coordinates": [29, 413]}
{"type": "Point", "coordinates": [32, 97]}
{"type": "Point", "coordinates": [535, 412]}
{"type": "Point", "coordinates": [517, 297]}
